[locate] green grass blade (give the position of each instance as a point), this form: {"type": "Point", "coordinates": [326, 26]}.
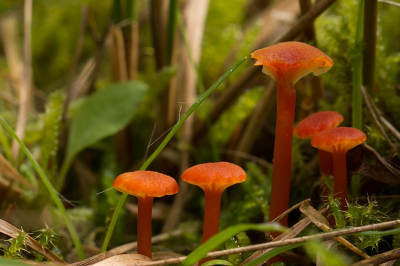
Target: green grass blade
{"type": "Point", "coordinates": [273, 253]}
{"type": "Point", "coordinates": [177, 126]}
{"type": "Point", "coordinates": [217, 262]}
{"type": "Point", "coordinates": [50, 188]}
{"type": "Point", "coordinates": [224, 235]}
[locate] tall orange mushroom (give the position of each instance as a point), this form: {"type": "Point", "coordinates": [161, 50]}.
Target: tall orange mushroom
{"type": "Point", "coordinates": [312, 125]}
{"type": "Point", "coordinates": [287, 63]}
{"type": "Point", "coordinates": [338, 141]}
{"type": "Point", "coordinates": [213, 178]}
{"type": "Point", "coordinates": [145, 185]}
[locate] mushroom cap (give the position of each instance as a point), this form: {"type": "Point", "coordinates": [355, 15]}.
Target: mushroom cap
{"type": "Point", "coordinates": [146, 183]}
{"type": "Point", "coordinates": [313, 124]}
{"type": "Point", "coordinates": [295, 58]}
{"type": "Point", "coordinates": [214, 176]}
{"type": "Point", "coordinates": [338, 140]}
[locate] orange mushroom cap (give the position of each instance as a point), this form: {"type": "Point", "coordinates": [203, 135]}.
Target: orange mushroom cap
{"type": "Point", "coordinates": [146, 183]}
{"type": "Point", "coordinates": [214, 176]}
{"type": "Point", "coordinates": [338, 140]}
{"type": "Point", "coordinates": [296, 58]}
{"type": "Point", "coordinates": [313, 124]}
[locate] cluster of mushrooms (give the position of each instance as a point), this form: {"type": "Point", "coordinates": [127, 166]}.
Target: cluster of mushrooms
{"type": "Point", "coordinates": [286, 63]}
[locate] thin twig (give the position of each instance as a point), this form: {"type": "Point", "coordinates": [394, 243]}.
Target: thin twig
{"type": "Point", "coordinates": [320, 236]}
{"type": "Point", "coordinates": [343, 241]}
{"type": "Point", "coordinates": [389, 2]}
{"type": "Point", "coordinates": [289, 210]}
{"type": "Point", "coordinates": [25, 80]}
{"type": "Point", "coordinates": [373, 115]}
{"type": "Point", "coordinates": [391, 128]}
{"type": "Point", "coordinates": [380, 258]}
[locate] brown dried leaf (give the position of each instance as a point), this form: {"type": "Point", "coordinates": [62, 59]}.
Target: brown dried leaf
{"type": "Point", "coordinates": [8, 171]}
{"type": "Point", "coordinates": [124, 260]}
{"type": "Point", "coordinates": [314, 215]}
{"type": "Point", "coordinates": [13, 232]}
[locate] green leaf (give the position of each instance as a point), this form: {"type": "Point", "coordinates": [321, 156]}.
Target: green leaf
{"type": "Point", "coordinates": [13, 262]}
{"type": "Point", "coordinates": [52, 121]}
{"type": "Point", "coordinates": [273, 253]}
{"type": "Point", "coordinates": [224, 235]}
{"type": "Point", "coordinates": [217, 262]}
{"type": "Point", "coordinates": [104, 113]}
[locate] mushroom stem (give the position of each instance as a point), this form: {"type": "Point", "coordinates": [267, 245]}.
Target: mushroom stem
{"type": "Point", "coordinates": [340, 177]}
{"type": "Point", "coordinates": [325, 162]}
{"type": "Point", "coordinates": [211, 216]}
{"type": "Point", "coordinates": [144, 226]}
{"type": "Point", "coordinates": [282, 149]}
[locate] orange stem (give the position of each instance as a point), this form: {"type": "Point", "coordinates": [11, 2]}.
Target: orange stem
{"type": "Point", "coordinates": [280, 187]}
{"type": "Point", "coordinates": [144, 226]}
{"type": "Point", "coordinates": [340, 177]}
{"type": "Point", "coordinates": [211, 217]}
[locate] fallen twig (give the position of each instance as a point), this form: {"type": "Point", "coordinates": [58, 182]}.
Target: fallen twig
{"type": "Point", "coordinates": [320, 236]}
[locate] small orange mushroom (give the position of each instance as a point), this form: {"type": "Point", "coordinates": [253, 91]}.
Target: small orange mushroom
{"type": "Point", "coordinates": [213, 178]}
{"type": "Point", "coordinates": [312, 125]}
{"type": "Point", "coordinates": [287, 63]}
{"type": "Point", "coordinates": [145, 185]}
{"type": "Point", "coordinates": [338, 141]}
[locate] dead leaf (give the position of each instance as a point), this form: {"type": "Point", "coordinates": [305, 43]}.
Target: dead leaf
{"type": "Point", "coordinates": [124, 260]}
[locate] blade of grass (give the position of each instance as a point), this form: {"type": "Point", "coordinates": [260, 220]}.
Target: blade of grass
{"type": "Point", "coordinates": [357, 82]}
{"type": "Point", "coordinates": [177, 126]}
{"type": "Point", "coordinates": [273, 253]}
{"type": "Point", "coordinates": [6, 146]}
{"type": "Point", "coordinates": [50, 188]}
{"type": "Point", "coordinates": [224, 235]}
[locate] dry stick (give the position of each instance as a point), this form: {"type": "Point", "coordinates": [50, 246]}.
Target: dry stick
{"type": "Point", "coordinates": [267, 165]}
{"type": "Point", "coordinates": [26, 79]}
{"type": "Point", "coordinates": [134, 51]}
{"type": "Point", "coordinates": [391, 128]}
{"type": "Point", "coordinates": [118, 37]}
{"type": "Point", "coordinates": [125, 248]}
{"type": "Point", "coordinates": [373, 115]}
{"type": "Point", "coordinates": [320, 236]}
{"type": "Point", "coordinates": [390, 2]}
{"type": "Point", "coordinates": [380, 258]}
{"type": "Point", "coordinates": [239, 86]}
{"type": "Point", "coordinates": [343, 241]}
{"type": "Point", "coordinates": [291, 233]}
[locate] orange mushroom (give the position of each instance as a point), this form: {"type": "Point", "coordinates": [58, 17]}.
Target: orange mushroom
{"type": "Point", "coordinates": [338, 141]}
{"type": "Point", "coordinates": [287, 63]}
{"type": "Point", "coordinates": [312, 125]}
{"type": "Point", "coordinates": [213, 178]}
{"type": "Point", "coordinates": [145, 185]}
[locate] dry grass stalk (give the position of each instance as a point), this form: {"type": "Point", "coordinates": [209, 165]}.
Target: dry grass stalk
{"type": "Point", "coordinates": [26, 80]}
{"type": "Point", "coordinates": [195, 14]}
